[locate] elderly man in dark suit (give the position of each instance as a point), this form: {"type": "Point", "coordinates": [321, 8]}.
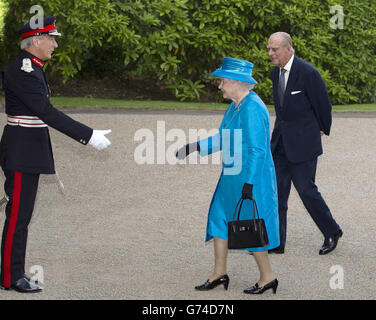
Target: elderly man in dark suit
{"type": "Point", "coordinates": [303, 115]}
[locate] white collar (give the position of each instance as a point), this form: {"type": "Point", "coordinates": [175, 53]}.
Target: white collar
{"type": "Point", "coordinates": [289, 64]}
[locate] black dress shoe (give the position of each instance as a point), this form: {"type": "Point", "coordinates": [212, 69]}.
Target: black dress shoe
{"type": "Point", "coordinates": [26, 285]}
{"type": "Point", "coordinates": [277, 250]}
{"type": "Point", "coordinates": [26, 277]}
{"type": "Point", "coordinates": [330, 243]}
{"type": "Point", "coordinates": [259, 290]}
{"type": "Point", "coordinates": [211, 285]}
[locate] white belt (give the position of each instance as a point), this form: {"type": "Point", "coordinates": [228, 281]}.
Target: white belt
{"type": "Point", "coordinates": [26, 121]}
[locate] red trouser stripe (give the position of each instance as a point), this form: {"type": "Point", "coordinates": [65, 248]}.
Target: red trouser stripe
{"type": "Point", "coordinates": [12, 227]}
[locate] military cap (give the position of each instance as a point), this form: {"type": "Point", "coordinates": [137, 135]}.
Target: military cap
{"type": "Point", "coordinates": [48, 28]}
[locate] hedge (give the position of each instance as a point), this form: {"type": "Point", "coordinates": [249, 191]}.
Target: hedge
{"type": "Point", "coordinates": [178, 43]}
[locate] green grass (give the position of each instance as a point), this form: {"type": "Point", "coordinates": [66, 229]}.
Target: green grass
{"type": "Point", "coordinates": [356, 107]}
{"type": "Point", "coordinates": [94, 103]}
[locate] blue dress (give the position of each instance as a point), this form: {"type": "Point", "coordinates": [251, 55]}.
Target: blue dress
{"type": "Point", "coordinates": [244, 138]}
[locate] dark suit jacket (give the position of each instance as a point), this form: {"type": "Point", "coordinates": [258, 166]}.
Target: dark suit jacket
{"type": "Point", "coordinates": [306, 110]}
{"type": "Point", "coordinates": [27, 94]}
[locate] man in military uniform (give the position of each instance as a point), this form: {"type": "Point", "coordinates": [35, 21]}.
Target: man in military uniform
{"type": "Point", "coordinates": [25, 150]}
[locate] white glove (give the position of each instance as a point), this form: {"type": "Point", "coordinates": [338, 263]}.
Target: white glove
{"type": "Point", "coordinates": [98, 139]}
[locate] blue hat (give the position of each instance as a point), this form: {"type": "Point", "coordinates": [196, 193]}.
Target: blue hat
{"type": "Point", "coordinates": [235, 69]}
{"type": "Point", "coordinates": [48, 27]}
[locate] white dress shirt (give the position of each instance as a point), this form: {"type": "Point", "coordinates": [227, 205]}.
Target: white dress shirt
{"type": "Point", "coordinates": [287, 67]}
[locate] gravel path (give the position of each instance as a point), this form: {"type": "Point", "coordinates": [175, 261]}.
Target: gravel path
{"type": "Point", "coordinates": [136, 231]}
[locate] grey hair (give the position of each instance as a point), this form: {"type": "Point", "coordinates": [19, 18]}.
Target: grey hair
{"type": "Point", "coordinates": [28, 42]}
{"type": "Point", "coordinates": [286, 39]}
{"type": "Point", "coordinates": [244, 85]}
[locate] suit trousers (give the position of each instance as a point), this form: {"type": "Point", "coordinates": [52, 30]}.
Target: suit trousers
{"type": "Point", "coordinates": [21, 188]}
{"type": "Point", "coordinates": [303, 177]}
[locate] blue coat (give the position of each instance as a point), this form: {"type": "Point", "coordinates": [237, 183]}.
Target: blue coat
{"type": "Point", "coordinates": [244, 138]}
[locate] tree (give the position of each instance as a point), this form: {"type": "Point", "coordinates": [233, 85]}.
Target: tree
{"type": "Point", "coordinates": [178, 43]}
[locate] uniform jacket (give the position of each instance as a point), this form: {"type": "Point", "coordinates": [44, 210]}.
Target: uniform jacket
{"type": "Point", "coordinates": [27, 94]}
{"type": "Point", "coordinates": [306, 110]}
{"type": "Point", "coordinates": [244, 137]}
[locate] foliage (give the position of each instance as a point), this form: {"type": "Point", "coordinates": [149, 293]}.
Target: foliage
{"type": "Point", "coordinates": [3, 10]}
{"type": "Point", "coordinates": [86, 25]}
{"type": "Point", "coordinates": [178, 43]}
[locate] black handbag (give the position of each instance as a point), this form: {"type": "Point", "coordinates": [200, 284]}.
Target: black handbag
{"type": "Point", "coordinates": [247, 233]}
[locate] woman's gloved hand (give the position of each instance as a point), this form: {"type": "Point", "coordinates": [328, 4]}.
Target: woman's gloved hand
{"type": "Point", "coordinates": [187, 149]}
{"type": "Point", "coordinates": [247, 191]}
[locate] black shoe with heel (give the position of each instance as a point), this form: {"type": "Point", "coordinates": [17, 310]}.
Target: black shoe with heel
{"type": "Point", "coordinates": [225, 280]}
{"type": "Point", "coordinates": [259, 290]}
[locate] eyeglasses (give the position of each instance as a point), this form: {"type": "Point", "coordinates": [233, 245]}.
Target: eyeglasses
{"type": "Point", "coordinates": [273, 49]}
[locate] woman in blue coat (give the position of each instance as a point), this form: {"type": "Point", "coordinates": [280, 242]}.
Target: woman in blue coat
{"type": "Point", "coordinates": [247, 171]}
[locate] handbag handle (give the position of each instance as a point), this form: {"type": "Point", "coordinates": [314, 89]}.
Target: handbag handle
{"type": "Point", "coordinates": [255, 211]}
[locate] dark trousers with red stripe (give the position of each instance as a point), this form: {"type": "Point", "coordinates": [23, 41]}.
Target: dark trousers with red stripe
{"type": "Point", "coordinates": [21, 189]}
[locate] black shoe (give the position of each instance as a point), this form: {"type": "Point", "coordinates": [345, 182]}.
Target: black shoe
{"type": "Point", "coordinates": [277, 250]}
{"type": "Point", "coordinates": [330, 243]}
{"type": "Point", "coordinates": [25, 285]}
{"type": "Point", "coordinates": [211, 285]}
{"type": "Point", "coordinates": [26, 277]}
{"type": "Point", "coordinates": [259, 290]}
